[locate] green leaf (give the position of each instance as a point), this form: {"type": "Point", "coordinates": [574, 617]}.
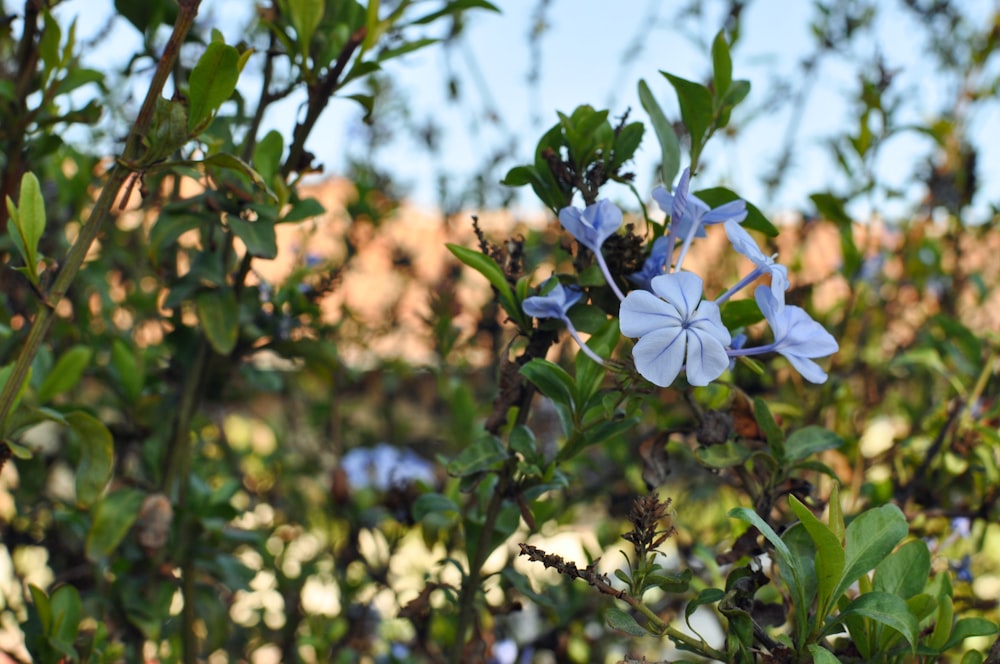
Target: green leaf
{"type": "Point", "coordinates": [488, 267]}
{"type": "Point", "coordinates": [737, 92]}
{"type": "Point", "coordinates": [943, 624]}
{"type": "Point", "coordinates": [28, 221]}
{"type": "Point", "coordinates": [434, 503]}
{"type": "Point", "coordinates": [48, 46]}
{"type": "Point", "coordinates": [131, 374]}
{"type": "Point", "coordinates": [670, 149]}
{"type": "Point", "coordinates": [212, 82]}
{"type": "Point", "coordinates": [360, 69]}
{"type": "Point", "coordinates": [590, 374]}
{"type": "Point", "coordinates": [484, 454]}
{"type": "Point", "coordinates": [267, 155]}
{"type": "Point", "coordinates": [696, 108]}
{"type": "Point", "coordinates": [794, 575]}
{"type": "Point", "coordinates": [303, 209]}
{"type": "Point", "coordinates": [883, 608]}
{"type": "Point", "coordinates": [18, 451]}
{"type": "Point", "coordinates": [821, 655]}
{"type": "Point", "coordinates": [805, 442]}
{"type": "Point", "coordinates": [97, 456]}
{"type": "Point", "coordinates": [518, 176]}
{"type": "Point", "coordinates": [145, 606]}
{"type": "Point", "coordinates": [706, 596]}
{"type": "Point", "coordinates": [258, 236]}
{"type": "Point", "coordinates": [722, 65]}
{"type": "Point", "coordinates": [723, 455]}
{"type": "Point", "coordinates": [306, 15]}
{"type": "Point", "coordinates": [870, 538]}
{"type": "Point", "coordinates": [67, 611]}
{"type": "Point", "coordinates": [168, 131]}
{"type": "Point", "coordinates": [627, 141]}
{"type": "Point", "coordinates": [407, 47]}
{"type": "Point", "coordinates": [234, 163]}
{"type": "Point", "coordinates": [453, 7]}
{"type": "Point", "coordinates": [166, 230]}
{"type": "Point", "coordinates": [596, 434]}
{"type": "Point", "coordinates": [835, 519]}
{"type": "Point", "coordinates": [829, 556]}
{"type": "Point", "coordinates": [218, 314]}
{"type": "Point", "coordinates": [832, 207]}
{"type": "Point", "coordinates": [623, 622]}
{"type": "Point", "coordinates": [905, 572]}
{"type": "Point", "coordinates": [112, 518]}
{"type": "Point", "coordinates": [147, 14]}
{"type": "Point", "coordinates": [551, 380]}
{"type": "Point", "coordinates": [775, 437]}
{"type": "Point", "coordinates": [77, 78]}
{"type": "Point", "coordinates": [31, 211]}
{"type": "Point", "coordinates": [740, 313]}
{"type": "Point", "coordinates": [65, 374]}
{"type": "Point", "coordinates": [522, 441]}
{"type": "Point", "coordinates": [43, 607]}
{"type": "Point", "coordinates": [671, 583]}
{"type": "Point", "coordinates": [968, 627]}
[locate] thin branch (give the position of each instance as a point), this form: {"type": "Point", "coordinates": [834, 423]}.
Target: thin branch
{"type": "Point", "coordinates": [319, 97]}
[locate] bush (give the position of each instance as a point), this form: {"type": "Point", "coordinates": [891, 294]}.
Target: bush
{"type": "Point", "coordinates": [204, 463]}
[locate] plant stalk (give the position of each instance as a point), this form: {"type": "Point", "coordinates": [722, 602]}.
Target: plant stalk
{"type": "Point", "coordinates": [470, 585]}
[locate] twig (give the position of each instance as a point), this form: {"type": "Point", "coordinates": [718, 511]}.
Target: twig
{"type": "Point", "coordinates": [600, 583]}
{"type": "Point", "coordinates": [319, 97]}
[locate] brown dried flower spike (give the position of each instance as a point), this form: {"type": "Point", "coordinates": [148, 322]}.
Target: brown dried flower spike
{"type": "Point", "coordinates": [652, 524]}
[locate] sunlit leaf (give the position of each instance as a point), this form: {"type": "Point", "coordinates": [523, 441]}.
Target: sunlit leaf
{"type": "Point", "coordinates": [211, 83]}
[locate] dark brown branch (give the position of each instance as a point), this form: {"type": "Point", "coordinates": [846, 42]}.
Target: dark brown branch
{"type": "Point", "coordinates": [319, 96]}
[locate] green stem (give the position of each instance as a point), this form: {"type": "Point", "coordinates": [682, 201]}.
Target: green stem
{"type": "Point", "coordinates": [188, 9]}
{"type": "Point", "coordinates": [470, 585]}
{"type": "Point", "coordinates": [694, 644]}
{"type": "Point", "coordinates": [697, 645]}
{"type": "Point", "coordinates": [175, 485]}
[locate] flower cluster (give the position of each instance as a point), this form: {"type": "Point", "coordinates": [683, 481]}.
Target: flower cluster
{"type": "Point", "coordinates": [677, 328]}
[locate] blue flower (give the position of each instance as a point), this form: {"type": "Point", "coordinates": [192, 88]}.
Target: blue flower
{"type": "Point", "coordinates": [556, 303]}
{"type": "Point", "coordinates": [672, 325]}
{"type": "Point", "coordinates": [689, 214]}
{"type": "Point", "coordinates": [592, 226]}
{"type": "Point", "coordinates": [687, 210]}
{"type": "Point", "coordinates": [385, 466]}
{"type": "Point", "coordinates": [961, 526]}
{"type": "Point", "coordinates": [553, 304]}
{"type": "Point", "coordinates": [744, 244]}
{"type": "Point", "coordinates": [654, 265]}
{"type": "Point", "coordinates": [796, 336]}
{"type": "Point", "coordinates": [963, 569]}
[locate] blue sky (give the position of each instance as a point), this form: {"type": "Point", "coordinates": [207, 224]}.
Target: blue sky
{"type": "Point", "coordinates": [581, 62]}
